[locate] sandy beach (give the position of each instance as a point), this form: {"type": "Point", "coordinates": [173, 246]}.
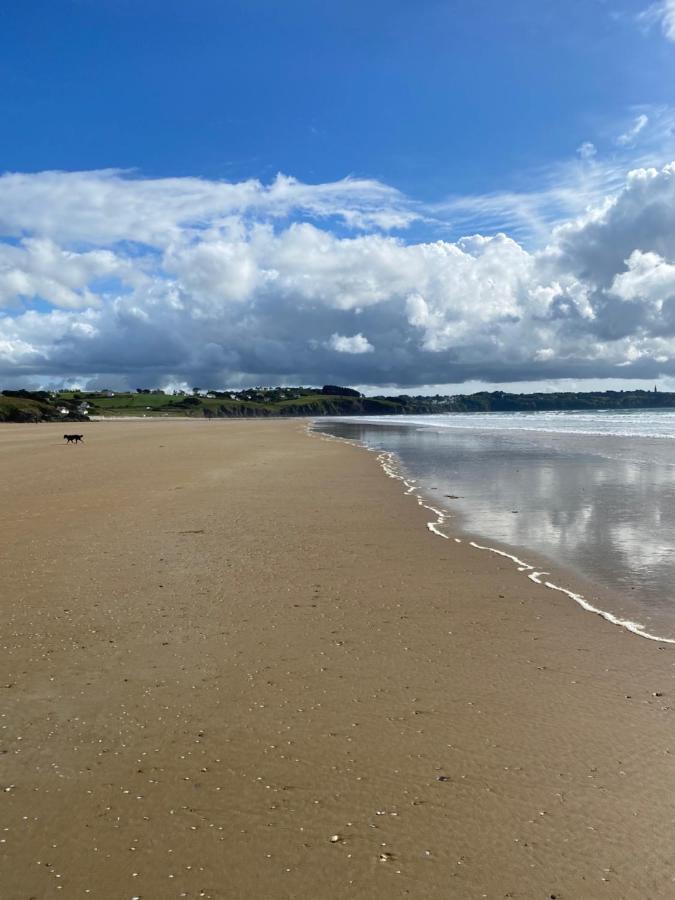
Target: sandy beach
{"type": "Point", "coordinates": [236, 664]}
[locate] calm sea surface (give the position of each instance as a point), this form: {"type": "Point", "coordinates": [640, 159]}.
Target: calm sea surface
{"type": "Point", "coordinates": [588, 492]}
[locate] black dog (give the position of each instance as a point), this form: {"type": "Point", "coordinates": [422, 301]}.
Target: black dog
{"type": "Point", "coordinates": [73, 438]}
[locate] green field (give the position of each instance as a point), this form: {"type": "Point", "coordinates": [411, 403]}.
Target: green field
{"type": "Point", "coordinates": [309, 403]}
{"type": "Point", "coordinates": [24, 409]}
{"type": "Point", "coordinates": [332, 400]}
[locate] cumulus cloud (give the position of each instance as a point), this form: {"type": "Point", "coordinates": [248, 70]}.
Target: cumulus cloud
{"type": "Point", "coordinates": [38, 267]}
{"type": "Point", "coordinates": [127, 281]}
{"type": "Point", "coordinates": [355, 344]}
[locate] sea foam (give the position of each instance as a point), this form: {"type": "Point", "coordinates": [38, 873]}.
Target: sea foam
{"type": "Point", "coordinates": [391, 467]}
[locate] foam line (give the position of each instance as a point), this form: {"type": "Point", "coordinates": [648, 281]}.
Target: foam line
{"type": "Point", "coordinates": [389, 464]}
{"type": "Point", "coordinates": [536, 577]}
{"type": "Point", "coordinates": [522, 566]}
{"type": "Point", "coordinates": [628, 624]}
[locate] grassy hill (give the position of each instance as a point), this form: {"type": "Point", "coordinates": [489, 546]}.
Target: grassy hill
{"type": "Point", "coordinates": [38, 406]}
{"type": "Point", "coordinates": [311, 403]}
{"type": "Point", "coordinates": [331, 400]}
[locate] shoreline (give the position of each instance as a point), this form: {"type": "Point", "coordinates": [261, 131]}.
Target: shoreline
{"type": "Point", "coordinates": [588, 593]}
{"type": "Point", "coordinates": [237, 664]}
{"type": "Point", "coordinates": [534, 572]}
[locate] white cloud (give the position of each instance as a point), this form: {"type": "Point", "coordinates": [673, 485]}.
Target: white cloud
{"type": "Point", "coordinates": [355, 344]}
{"type": "Point", "coordinates": [37, 267]}
{"type": "Point", "coordinates": [105, 207]}
{"type": "Point", "coordinates": [188, 281]}
{"type": "Point", "coordinates": [557, 193]}
{"type": "Point", "coordinates": [587, 150]}
{"type": "Point", "coordinates": [215, 270]}
{"type": "Point", "coordinates": [662, 13]}
{"type": "Point", "coordinates": [549, 197]}
{"type": "Point", "coordinates": [628, 137]}
{"type": "Point", "coordinates": [648, 279]}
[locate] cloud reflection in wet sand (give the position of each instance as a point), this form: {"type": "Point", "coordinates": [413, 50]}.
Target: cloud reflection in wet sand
{"type": "Point", "coordinates": [603, 505]}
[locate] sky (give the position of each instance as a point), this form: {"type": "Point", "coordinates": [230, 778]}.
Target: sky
{"type": "Point", "coordinates": [435, 195]}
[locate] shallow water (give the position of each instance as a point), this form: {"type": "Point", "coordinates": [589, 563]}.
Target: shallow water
{"type": "Point", "coordinates": [591, 492]}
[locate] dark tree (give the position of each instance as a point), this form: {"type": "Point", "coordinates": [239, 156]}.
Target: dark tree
{"type": "Point", "coordinates": [336, 391]}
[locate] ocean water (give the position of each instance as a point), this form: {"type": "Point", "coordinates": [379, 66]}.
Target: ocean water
{"type": "Point", "coordinates": [589, 495]}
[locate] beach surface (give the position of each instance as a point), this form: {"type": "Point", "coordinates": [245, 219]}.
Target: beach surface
{"type": "Point", "coordinates": [236, 664]}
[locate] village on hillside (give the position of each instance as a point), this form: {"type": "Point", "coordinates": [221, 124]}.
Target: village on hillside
{"type": "Point", "coordinates": [20, 405]}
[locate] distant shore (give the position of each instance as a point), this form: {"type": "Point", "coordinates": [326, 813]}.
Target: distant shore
{"type": "Point", "coordinates": [289, 402]}
{"type": "Point", "coordinates": [237, 664]}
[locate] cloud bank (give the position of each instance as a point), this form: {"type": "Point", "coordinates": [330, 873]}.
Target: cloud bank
{"type": "Point", "coordinates": [109, 279]}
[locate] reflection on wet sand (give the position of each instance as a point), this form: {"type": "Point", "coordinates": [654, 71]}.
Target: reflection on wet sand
{"type": "Point", "coordinates": [601, 505]}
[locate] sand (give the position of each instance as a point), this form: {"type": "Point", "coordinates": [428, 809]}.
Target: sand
{"type": "Point", "coordinates": [236, 664]}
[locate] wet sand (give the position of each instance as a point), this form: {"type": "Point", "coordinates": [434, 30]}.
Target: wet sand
{"type": "Point", "coordinates": [236, 664]}
{"type": "Point", "coordinates": [600, 505]}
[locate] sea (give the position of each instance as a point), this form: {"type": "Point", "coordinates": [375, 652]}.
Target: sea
{"type": "Point", "coordinates": [584, 500]}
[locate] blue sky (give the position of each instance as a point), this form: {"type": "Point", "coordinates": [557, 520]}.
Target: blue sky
{"type": "Point", "coordinates": [449, 118]}
{"type": "Point", "coordinates": [434, 97]}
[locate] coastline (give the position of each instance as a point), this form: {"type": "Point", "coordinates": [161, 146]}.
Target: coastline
{"type": "Point", "coordinates": [536, 571]}
{"type": "Point", "coordinates": [586, 589]}
{"type": "Point", "coordinates": [227, 646]}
